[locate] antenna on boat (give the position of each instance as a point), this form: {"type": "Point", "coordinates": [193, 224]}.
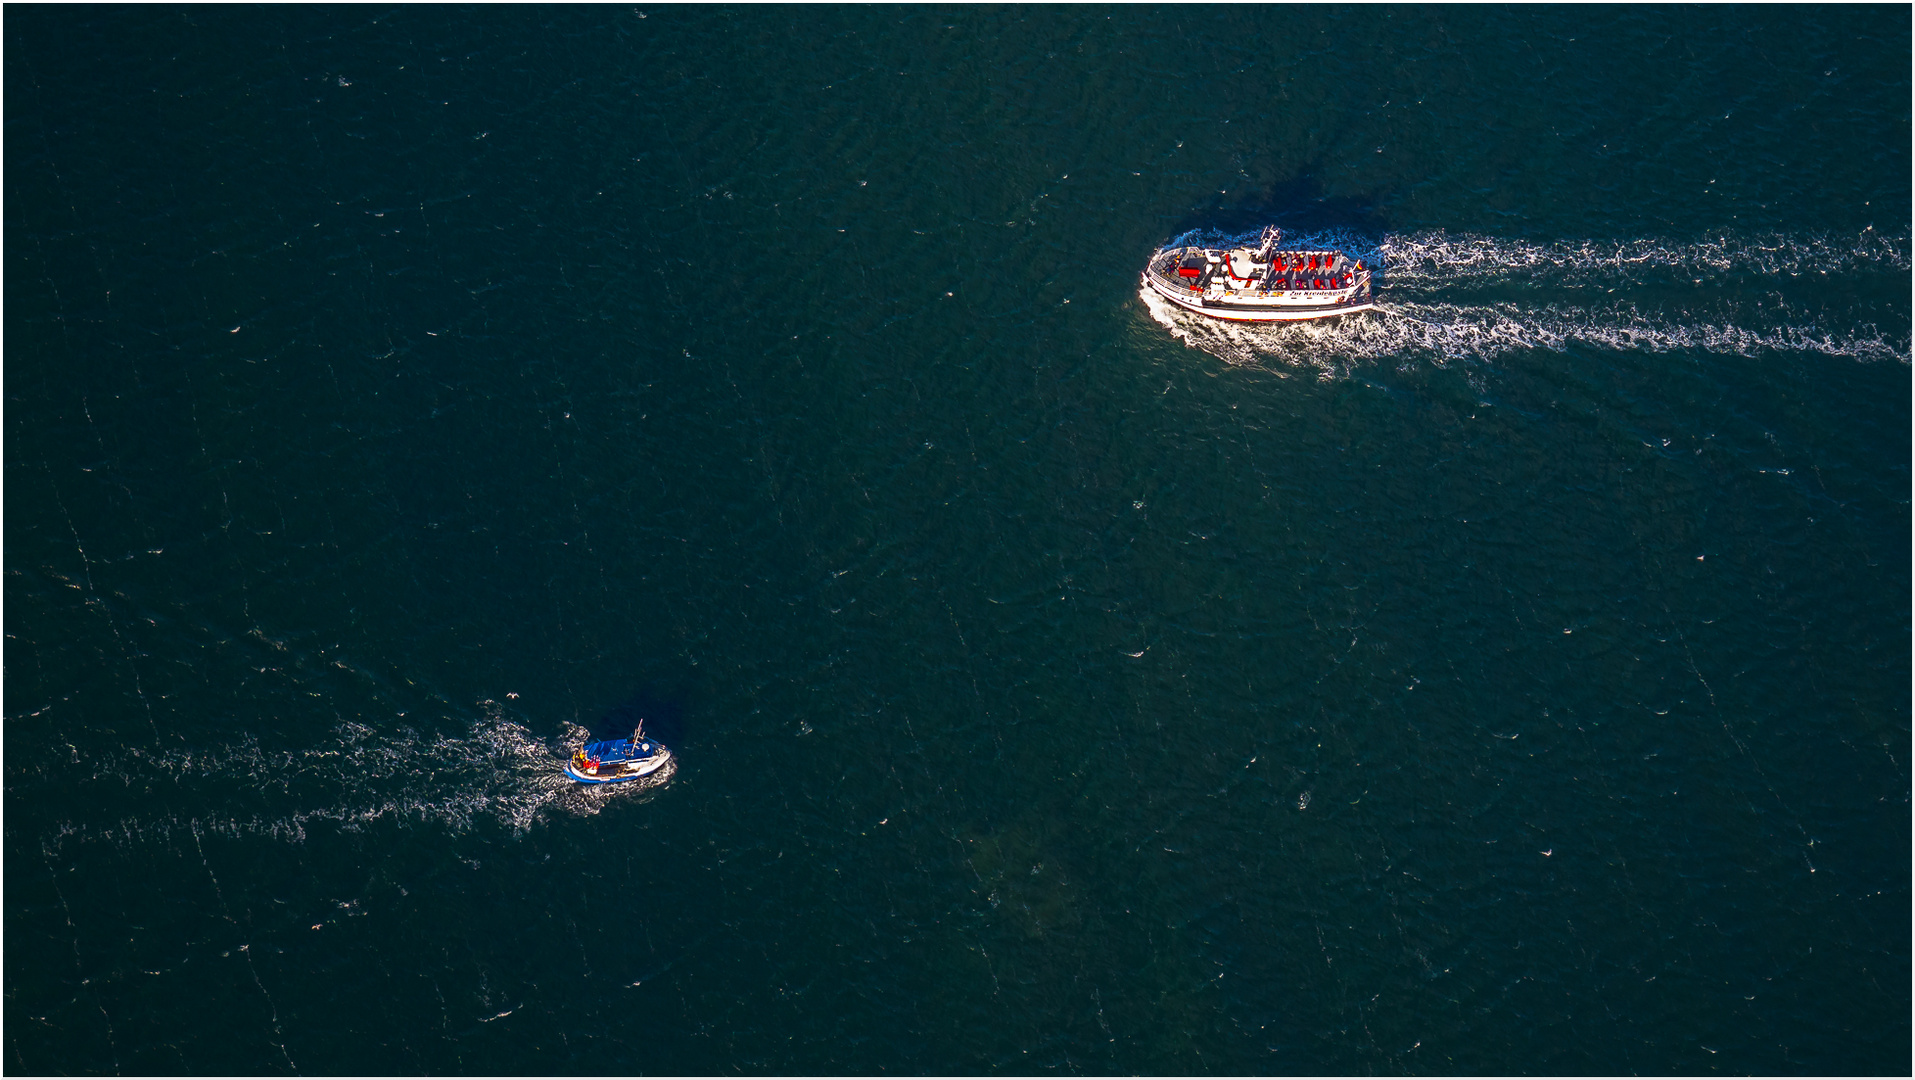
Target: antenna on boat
{"type": "Point", "coordinates": [1271, 236]}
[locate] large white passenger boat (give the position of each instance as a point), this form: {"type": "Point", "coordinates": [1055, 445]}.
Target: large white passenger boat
{"type": "Point", "coordinates": [1266, 283]}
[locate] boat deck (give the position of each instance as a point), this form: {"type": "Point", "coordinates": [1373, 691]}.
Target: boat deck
{"type": "Point", "coordinates": [1246, 284]}
{"type": "Point", "coordinates": [1191, 270]}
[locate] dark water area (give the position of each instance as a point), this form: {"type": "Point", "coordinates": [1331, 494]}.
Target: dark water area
{"type": "Point", "coordinates": [1513, 680]}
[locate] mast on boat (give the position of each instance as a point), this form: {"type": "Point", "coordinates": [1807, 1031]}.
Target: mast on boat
{"type": "Point", "coordinates": [1268, 246]}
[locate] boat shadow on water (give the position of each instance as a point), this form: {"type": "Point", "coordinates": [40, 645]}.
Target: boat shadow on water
{"type": "Point", "coordinates": [1302, 209]}
{"type": "Point", "coordinates": [662, 713]}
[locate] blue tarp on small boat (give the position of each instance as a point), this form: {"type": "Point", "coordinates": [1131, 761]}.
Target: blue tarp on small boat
{"type": "Point", "coordinates": [615, 750]}
{"type": "Point", "coordinates": [608, 761]}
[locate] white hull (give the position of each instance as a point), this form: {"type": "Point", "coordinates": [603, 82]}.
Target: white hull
{"type": "Point", "coordinates": [1261, 284]}
{"type": "Point", "coordinates": [1298, 312]}
{"type": "Point", "coordinates": [628, 770]}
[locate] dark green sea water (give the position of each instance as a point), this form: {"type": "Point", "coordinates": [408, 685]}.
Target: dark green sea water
{"type": "Point", "coordinates": [1513, 681]}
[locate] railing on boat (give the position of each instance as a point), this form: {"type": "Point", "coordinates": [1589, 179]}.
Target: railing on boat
{"type": "Point", "coordinates": [1354, 291]}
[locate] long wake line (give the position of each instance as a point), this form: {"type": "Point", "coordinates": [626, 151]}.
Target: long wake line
{"type": "Point", "coordinates": [497, 771]}
{"type": "Point", "coordinates": [1420, 268]}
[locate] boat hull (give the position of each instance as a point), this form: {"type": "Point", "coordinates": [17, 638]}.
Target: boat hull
{"type": "Point", "coordinates": [645, 768]}
{"type": "Point", "coordinates": [1261, 283]}
{"type": "Point", "coordinates": [1230, 312]}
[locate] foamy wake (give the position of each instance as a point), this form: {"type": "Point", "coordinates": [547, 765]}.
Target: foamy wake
{"type": "Point", "coordinates": [1444, 259]}
{"type": "Point", "coordinates": [497, 771]}
{"type": "Point", "coordinates": [1414, 322]}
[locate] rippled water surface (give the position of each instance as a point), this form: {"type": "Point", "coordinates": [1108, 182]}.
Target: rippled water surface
{"type": "Point", "coordinates": [1512, 680]}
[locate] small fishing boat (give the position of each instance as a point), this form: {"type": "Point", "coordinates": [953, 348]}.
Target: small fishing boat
{"type": "Point", "coordinates": [614, 761]}
{"type": "Point", "coordinates": [1266, 283]}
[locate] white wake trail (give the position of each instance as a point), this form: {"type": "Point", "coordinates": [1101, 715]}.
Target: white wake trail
{"type": "Point", "coordinates": [1444, 258]}
{"type": "Point", "coordinates": [498, 770]}
{"type": "Point", "coordinates": [1461, 332]}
